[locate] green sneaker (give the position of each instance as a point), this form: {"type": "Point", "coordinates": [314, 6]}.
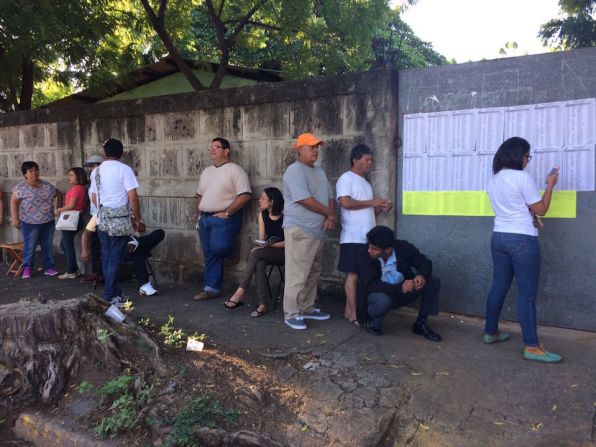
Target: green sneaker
{"type": "Point", "coordinates": [495, 338]}
{"type": "Point", "coordinates": [538, 354]}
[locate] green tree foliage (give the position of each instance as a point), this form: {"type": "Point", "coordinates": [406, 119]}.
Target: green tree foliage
{"type": "Point", "coordinates": [576, 28]}
{"type": "Point", "coordinates": [299, 37]}
{"type": "Point", "coordinates": [397, 46]}
{"type": "Point", "coordinates": [51, 48]}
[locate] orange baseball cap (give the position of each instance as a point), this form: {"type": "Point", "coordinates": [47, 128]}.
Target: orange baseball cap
{"type": "Point", "coordinates": [307, 138]}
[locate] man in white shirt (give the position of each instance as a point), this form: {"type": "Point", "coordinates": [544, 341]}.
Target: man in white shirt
{"type": "Point", "coordinates": [358, 210]}
{"type": "Point", "coordinates": [117, 189]}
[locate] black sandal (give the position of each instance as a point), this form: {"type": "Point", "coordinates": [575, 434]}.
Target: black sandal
{"type": "Point", "coordinates": [234, 304]}
{"type": "Point", "coordinates": [258, 313]}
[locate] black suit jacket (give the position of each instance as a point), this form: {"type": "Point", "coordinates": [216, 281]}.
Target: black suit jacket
{"type": "Point", "coordinates": [410, 262]}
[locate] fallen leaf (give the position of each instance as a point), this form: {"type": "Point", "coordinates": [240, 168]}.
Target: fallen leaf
{"type": "Point", "coordinates": [423, 427]}
{"type": "Point", "coordinates": [441, 373]}
{"type": "Point", "coordinates": [536, 426]}
{"type": "Point", "coordinates": [397, 367]}
{"type": "Point", "coordinates": [416, 373]}
{"type": "Point", "coordinates": [498, 423]}
{"type": "Point", "coordinates": [554, 408]}
{"type": "Point", "coordinates": [574, 385]}
{"type": "Point", "coordinates": [304, 428]}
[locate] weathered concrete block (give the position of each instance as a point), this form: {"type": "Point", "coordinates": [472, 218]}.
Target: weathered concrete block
{"type": "Point", "coordinates": [64, 161]}
{"type": "Point", "coordinates": [34, 136]}
{"type": "Point", "coordinates": [182, 247]}
{"type": "Point", "coordinates": [47, 164]}
{"type": "Point", "coordinates": [195, 159]}
{"type": "Point", "coordinates": [280, 155]}
{"type": "Point", "coordinates": [153, 128]}
{"type": "Point", "coordinates": [88, 134]}
{"type": "Point", "coordinates": [180, 126]}
{"type": "Point", "coordinates": [164, 162]}
{"type": "Point", "coordinates": [170, 212]}
{"type": "Point", "coordinates": [322, 116]}
{"type": "Point", "coordinates": [252, 156]}
{"type": "Point", "coordinates": [14, 164]}
{"type": "Point", "coordinates": [221, 122]}
{"type": "Point", "coordinates": [134, 157]}
{"type": "Point", "coordinates": [9, 138]}
{"type": "Point", "coordinates": [135, 129]}
{"type": "Point", "coordinates": [330, 257]}
{"type": "Point", "coordinates": [355, 114]}
{"type": "Point", "coordinates": [266, 121]}
{"type": "Point", "coordinates": [334, 157]}
{"type": "Point", "coordinates": [4, 171]}
{"type": "Point", "coordinates": [108, 128]}
{"type": "Point", "coordinates": [167, 272]}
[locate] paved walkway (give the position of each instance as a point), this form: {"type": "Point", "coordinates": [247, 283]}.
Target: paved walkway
{"type": "Point", "coordinates": [398, 389]}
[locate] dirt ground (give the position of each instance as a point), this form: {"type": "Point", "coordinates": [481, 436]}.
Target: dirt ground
{"type": "Point", "coordinates": [336, 385]}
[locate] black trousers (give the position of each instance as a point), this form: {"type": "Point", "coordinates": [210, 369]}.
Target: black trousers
{"type": "Point", "coordinates": [379, 304]}
{"type": "Point", "coordinates": [146, 244]}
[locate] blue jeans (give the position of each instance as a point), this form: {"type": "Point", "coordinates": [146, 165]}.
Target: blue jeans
{"type": "Point", "coordinates": [38, 234]}
{"type": "Point", "coordinates": [68, 248]}
{"type": "Point", "coordinates": [113, 249]}
{"type": "Point", "coordinates": [519, 255]}
{"type": "Point", "coordinates": [218, 239]}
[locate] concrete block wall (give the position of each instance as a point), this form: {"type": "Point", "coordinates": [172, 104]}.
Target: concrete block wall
{"type": "Point", "coordinates": [166, 143]}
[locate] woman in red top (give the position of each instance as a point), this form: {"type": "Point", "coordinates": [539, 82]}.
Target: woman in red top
{"type": "Point", "coordinates": [75, 200]}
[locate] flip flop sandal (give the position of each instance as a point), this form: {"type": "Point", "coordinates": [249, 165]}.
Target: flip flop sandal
{"type": "Point", "coordinates": [355, 323]}
{"type": "Point", "coordinates": [257, 314]}
{"type": "Point", "coordinates": [234, 304]}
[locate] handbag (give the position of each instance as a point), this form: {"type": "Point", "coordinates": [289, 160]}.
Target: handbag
{"type": "Point", "coordinates": [68, 220]}
{"type": "Point", "coordinates": [114, 221]}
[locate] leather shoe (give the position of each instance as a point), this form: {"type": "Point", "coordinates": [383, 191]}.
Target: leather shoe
{"type": "Point", "coordinates": [425, 330]}
{"type": "Point", "coordinates": [374, 331]}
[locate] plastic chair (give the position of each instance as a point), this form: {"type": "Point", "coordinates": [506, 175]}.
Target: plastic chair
{"type": "Point", "coordinates": [16, 251]}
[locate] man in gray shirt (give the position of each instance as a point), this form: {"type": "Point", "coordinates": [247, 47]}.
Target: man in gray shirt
{"type": "Point", "coordinates": [309, 211]}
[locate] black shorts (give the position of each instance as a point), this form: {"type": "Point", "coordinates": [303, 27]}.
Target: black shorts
{"type": "Point", "coordinates": [348, 257]}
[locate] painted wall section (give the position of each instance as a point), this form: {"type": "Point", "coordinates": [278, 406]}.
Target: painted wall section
{"type": "Point", "coordinates": [176, 83]}
{"type": "Point", "coordinates": [459, 246]}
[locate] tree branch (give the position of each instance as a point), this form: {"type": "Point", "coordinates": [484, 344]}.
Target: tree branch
{"type": "Point", "coordinates": [221, 6]}
{"type": "Point", "coordinates": [161, 14]}
{"type": "Point", "coordinates": [158, 24]}
{"type": "Point", "coordinates": [256, 23]}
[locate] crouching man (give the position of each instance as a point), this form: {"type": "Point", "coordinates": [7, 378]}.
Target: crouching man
{"type": "Point", "coordinates": [393, 274]}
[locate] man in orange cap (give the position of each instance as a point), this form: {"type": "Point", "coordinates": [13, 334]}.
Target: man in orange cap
{"type": "Point", "coordinates": [309, 211]}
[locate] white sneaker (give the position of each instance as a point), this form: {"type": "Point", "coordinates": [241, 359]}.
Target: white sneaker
{"type": "Point", "coordinates": [147, 289]}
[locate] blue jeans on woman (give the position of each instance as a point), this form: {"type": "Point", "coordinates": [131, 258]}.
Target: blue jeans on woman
{"type": "Point", "coordinates": [38, 234]}
{"type": "Point", "coordinates": [519, 255]}
{"type": "Point", "coordinates": [68, 248]}
{"type": "Point", "coordinates": [218, 239]}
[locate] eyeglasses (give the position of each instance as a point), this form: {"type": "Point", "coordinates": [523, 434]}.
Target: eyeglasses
{"type": "Point", "coordinates": [216, 147]}
{"type": "Point", "coordinates": [529, 157]}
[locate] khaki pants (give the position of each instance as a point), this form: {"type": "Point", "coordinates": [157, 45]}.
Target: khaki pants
{"type": "Point", "coordinates": [303, 268]}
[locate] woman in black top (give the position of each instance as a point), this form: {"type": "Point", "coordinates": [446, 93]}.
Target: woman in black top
{"type": "Point", "coordinates": [269, 251]}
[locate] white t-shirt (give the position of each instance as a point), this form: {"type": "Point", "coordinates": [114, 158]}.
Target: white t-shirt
{"type": "Point", "coordinates": [116, 179]}
{"type": "Point", "coordinates": [355, 223]}
{"type": "Point", "coordinates": [510, 192]}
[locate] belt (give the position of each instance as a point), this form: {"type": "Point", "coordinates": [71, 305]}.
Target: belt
{"type": "Point", "coordinates": [210, 213]}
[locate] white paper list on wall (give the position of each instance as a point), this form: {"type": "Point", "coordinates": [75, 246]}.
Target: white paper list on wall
{"type": "Point", "coordinates": [453, 150]}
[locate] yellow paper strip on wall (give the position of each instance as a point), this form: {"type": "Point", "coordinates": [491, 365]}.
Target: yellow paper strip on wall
{"type": "Point", "coordinates": [474, 203]}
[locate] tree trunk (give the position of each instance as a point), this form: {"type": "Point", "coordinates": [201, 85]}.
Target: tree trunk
{"type": "Point", "coordinates": [44, 345]}
{"type": "Point", "coordinates": [26, 85]}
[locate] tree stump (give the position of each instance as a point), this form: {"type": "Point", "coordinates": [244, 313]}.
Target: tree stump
{"type": "Point", "coordinates": [45, 344]}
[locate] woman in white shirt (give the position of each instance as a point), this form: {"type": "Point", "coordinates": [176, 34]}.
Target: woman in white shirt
{"type": "Point", "coordinates": [515, 200]}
